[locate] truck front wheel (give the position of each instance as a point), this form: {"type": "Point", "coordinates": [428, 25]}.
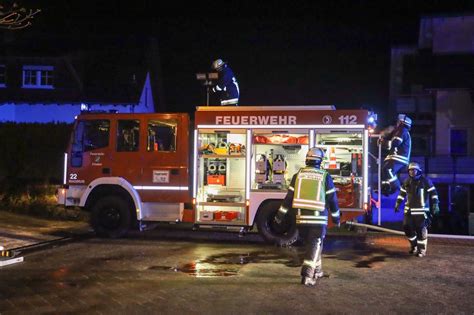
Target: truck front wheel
{"type": "Point", "coordinates": [280, 235]}
{"type": "Point", "coordinates": [110, 217]}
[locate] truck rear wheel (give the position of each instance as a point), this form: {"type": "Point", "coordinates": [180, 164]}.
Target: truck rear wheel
{"type": "Point", "coordinates": [110, 217]}
{"type": "Point", "coordinates": [284, 235]}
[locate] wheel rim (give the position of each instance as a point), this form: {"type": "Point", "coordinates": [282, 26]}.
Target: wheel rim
{"type": "Point", "coordinates": [110, 217]}
{"type": "Point", "coordinates": [277, 229]}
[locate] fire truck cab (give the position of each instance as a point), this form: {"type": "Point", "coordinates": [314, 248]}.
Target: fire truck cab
{"type": "Point", "coordinates": [230, 170]}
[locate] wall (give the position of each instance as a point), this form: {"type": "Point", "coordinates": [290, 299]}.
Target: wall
{"type": "Point", "coordinates": [454, 109]}
{"type": "Point", "coordinates": [448, 34]}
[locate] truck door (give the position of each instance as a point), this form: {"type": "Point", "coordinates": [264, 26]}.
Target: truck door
{"type": "Point", "coordinates": [164, 176]}
{"type": "Point", "coordinates": [88, 149]}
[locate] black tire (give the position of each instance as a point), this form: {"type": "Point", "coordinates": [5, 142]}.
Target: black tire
{"type": "Point", "coordinates": [111, 217]}
{"type": "Point", "coordinates": [272, 233]}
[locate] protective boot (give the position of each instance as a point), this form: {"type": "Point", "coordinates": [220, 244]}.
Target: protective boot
{"type": "Point", "coordinates": [311, 269]}
{"type": "Point", "coordinates": [423, 242]}
{"type": "Point", "coordinates": [307, 281]}
{"type": "Point", "coordinates": [422, 245]}
{"type": "Point", "coordinates": [413, 244]}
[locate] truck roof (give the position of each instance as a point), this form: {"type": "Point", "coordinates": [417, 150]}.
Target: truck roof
{"type": "Point", "coordinates": [264, 108]}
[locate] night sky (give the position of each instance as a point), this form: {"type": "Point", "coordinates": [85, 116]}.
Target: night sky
{"type": "Point", "coordinates": [282, 52]}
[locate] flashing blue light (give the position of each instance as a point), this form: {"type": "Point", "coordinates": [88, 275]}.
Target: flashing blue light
{"type": "Point", "coordinates": [371, 120]}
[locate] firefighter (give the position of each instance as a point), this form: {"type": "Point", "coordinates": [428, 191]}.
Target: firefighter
{"type": "Point", "coordinates": [398, 143]}
{"type": "Point", "coordinates": [310, 194]}
{"type": "Point", "coordinates": [420, 208]}
{"type": "Point", "coordinates": [227, 87]}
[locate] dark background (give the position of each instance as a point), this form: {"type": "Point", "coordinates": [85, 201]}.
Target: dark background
{"type": "Point", "coordinates": [282, 52]}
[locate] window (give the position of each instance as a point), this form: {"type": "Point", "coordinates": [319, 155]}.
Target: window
{"type": "Point", "coordinates": [162, 135]}
{"type": "Point", "coordinates": [96, 134]}
{"type": "Point", "coordinates": [458, 142]}
{"type": "Point", "coordinates": [128, 132]}
{"type": "Point", "coordinates": [38, 77]}
{"type": "Point", "coordinates": [3, 76]}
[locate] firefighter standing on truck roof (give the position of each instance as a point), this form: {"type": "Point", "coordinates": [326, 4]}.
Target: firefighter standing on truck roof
{"type": "Point", "coordinates": [398, 142]}
{"type": "Point", "coordinates": [227, 87]}
{"type": "Point", "coordinates": [309, 196]}
{"type": "Point", "coordinates": [420, 208]}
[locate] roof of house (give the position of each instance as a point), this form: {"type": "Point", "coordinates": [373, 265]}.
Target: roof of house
{"type": "Point", "coordinates": [99, 70]}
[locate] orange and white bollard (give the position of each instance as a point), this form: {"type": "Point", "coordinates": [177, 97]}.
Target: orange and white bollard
{"type": "Point", "coordinates": [332, 158]}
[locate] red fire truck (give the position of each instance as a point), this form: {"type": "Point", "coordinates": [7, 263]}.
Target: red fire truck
{"type": "Point", "coordinates": [230, 170]}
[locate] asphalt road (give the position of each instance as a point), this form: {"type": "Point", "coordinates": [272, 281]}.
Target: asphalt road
{"type": "Point", "coordinates": [158, 272]}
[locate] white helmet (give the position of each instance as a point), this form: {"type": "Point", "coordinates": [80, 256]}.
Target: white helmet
{"type": "Point", "coordinates": [404, 119]}
{"type": "Point", "coordinates": [217, 64]}
{"type": "Point", "coordinates": [415, 166]}
{"type": "Point", "coordinates": [315, 154]}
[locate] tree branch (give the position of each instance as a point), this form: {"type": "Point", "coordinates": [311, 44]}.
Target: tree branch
{"type": "Point", "coordinates": [15, 17]}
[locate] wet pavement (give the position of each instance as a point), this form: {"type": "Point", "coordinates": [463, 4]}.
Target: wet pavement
{"type": "Point", "coordinates": [165, 271]}
{"type": "Point", "coordinates": [21, 230]}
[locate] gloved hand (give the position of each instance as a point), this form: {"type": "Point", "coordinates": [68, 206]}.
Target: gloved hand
{"type": "Point", "coordinates": [435, 210]}
{"type": "Point", "coordinates": [429, 219]}
{"type": "Point", "coordinates": [336, 221]}
{"type": "Point", "coordinates": [397, 208]}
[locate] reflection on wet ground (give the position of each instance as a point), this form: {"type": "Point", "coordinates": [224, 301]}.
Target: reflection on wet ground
{"type": "Point", "coordinates": [229, 264]}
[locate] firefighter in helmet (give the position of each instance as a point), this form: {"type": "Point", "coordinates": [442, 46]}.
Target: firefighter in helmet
{"type": "Point", "coordinates": [227, 87]}
{"type": "Point", "coordinates": [420, 208]}
{"type": "Point", "coordinates": [310, 195]}
{"type": "Point", "coordinates": [398, 143]}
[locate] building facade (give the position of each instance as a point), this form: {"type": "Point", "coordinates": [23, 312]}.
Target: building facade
{"type": "Point", "coordinates": [433, 82]}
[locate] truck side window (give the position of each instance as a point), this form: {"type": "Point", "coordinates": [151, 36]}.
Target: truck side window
{"type": "Point", "coordinates": [162, 135]}
{"type": "Point", "coordinates": [128, 132]}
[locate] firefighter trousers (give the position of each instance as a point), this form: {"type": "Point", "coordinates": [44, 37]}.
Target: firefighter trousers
{"type": "Point", "coordinates": [312, 264]}
{"type": "Point", "coordinates": [390, 170]}
{"type": "Point", "coordinates": [416, 230]}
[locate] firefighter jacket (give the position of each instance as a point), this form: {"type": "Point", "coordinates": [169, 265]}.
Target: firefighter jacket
{"type": "Point", "coordinates": [421, 196]}
{"type": "Point", "coordinates": [399, 145]}
{"type": "Point", "coordinates": [227, 87]}
{"type": "Point", "coordinates": [311, 193]}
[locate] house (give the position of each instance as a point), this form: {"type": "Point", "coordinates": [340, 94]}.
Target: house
{"type": "Point", "coordinates": [52, 79]}
{"type": "Point", "coordinates": [433, 82]}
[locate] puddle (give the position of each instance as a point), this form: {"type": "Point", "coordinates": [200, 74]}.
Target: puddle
{"type": "Point", "coordinates": [228, 265]}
